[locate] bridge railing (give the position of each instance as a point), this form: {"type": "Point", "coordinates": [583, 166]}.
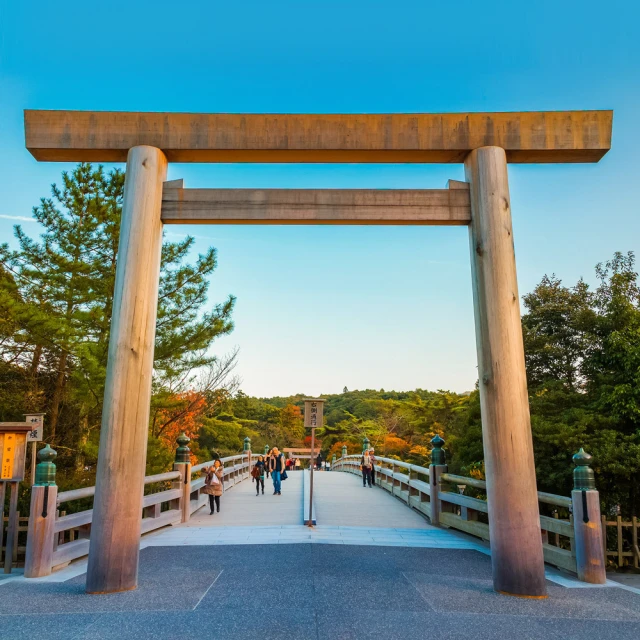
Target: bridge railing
{"type": "Point", "coordinates": [55, 538]}
{"type": "Point", "coordinates": [573, 543]}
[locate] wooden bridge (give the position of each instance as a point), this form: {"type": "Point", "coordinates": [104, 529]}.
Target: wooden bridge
{"type": "Point", "coordinates": [406, 558]}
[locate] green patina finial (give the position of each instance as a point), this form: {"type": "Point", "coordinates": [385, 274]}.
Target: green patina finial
{"type": "Point", "coordinates": [583, 476]}
{"type": "Point", "coordinates": [266, 449]}
{"type": "Point", "coordinates": [333, 459]}
{"type": "Point", "coordinates": [344, 451]}
{"type": "Point", "coordinates": [247, 444]}
{"type": "Point", "coordinates": [437, 453]}
{"type": "Point", "coordinates": [365, 444]}
{"type": "Point", "coordinates": [183, 453]}
{"type": "Point", "coordinates": [46, 469]}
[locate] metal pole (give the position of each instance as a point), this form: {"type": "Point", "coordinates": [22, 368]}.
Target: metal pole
{"type": "Point", "coordinates": [33, 463]}
{"type": "Point", "coordinates": [3, 486]}
{"type": "Point", "coordinates": [12, 528]}
{"type": "Point", "coordinates": [313, 445]}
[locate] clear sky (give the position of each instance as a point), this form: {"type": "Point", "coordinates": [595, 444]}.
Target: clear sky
{"type": "Point", "coordinates": [320, 308]}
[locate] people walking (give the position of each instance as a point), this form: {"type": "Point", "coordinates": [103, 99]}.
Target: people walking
{"type": "Point", "coordinates": [258, 474]}
{"type": "Point", "coordinates": [373, 466]}
{"type": "Point", "coordinates": [297, 467]}
{"type": "Point", "coordinates": [365, 465]}
{"type": "Point", "coordinates": [276, 466]}
{"type": "Point", "coordinates": [213, 484]}
{"type": "Point", "coordinates": [319, 462]}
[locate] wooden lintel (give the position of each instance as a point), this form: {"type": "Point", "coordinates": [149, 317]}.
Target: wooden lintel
{"type": "Point", "coordinates": [317, 206]}
{"type": "Point", "coordinates": [106, 136]}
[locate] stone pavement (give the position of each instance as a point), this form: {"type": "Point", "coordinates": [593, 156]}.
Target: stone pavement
{"type": "Point", "coordinates": [342, 592]}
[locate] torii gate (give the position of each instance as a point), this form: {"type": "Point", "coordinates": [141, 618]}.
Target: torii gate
{"type": "Point", "coordinates": [484, 142]}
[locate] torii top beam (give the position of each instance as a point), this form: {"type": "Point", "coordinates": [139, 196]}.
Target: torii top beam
{"type": "Point", "coordinates": [106, 136]}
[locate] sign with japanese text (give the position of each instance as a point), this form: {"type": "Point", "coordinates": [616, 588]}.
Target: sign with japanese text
{"type": "Point", "coordinates": [8, 456]}
{"type": "Point", "coordinates": [313, 412]}
{"type": "Point", "coordinates": [13, 450]}
{"type": "Point", "coordinates": [37, 427]}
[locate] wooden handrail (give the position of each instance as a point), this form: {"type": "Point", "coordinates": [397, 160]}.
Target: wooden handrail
{"type": "Point", "coordinates": [208, 463]}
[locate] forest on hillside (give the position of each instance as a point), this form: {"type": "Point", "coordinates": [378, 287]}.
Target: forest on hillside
{"type": "Point", "coordinates": [582, 350]}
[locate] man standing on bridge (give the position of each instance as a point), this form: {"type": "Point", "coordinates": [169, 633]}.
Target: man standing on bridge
{"type": "Point", "coordinates": [276, 466]}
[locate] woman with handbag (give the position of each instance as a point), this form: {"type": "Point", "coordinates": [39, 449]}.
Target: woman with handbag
{"type": "Point", "coordinates": [213, 484]}
{"type": "Point", "coordinates": [258, 474]}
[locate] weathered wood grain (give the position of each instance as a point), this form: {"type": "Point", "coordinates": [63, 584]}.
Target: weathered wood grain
{"type": "Point", "coordinates": [514, 522]}
{"type": "Point", "coordinates": [40, 535]}
{"type": "Point", "coordinates": [117, 506]}
{"type": "Point", "coordinates": [590, 559]}
{"type": "Point", "coordinates": [316, 206]}
{"type": "Point", "coordinates": [106, 136]}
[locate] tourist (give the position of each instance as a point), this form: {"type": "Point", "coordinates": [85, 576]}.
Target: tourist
{"type": "Point", "coordinates": [213, 484]}
{"type": "Point", "coordinates": [258, 474]}
{"type": "Point", "coordinates": [288, 464]}
{"type": "Point", "coordinates": [267, 462]}
{"type": "Point", "coordinates": [297, 467]}
{"type": "Point", "coordinates": [276, 466]}
{"type": "Point", "coordinates": [373, 466]}
{"type": "Point", "coordinates": [319, 462]}
{"type": "Point", "coordinates": [365, 465]}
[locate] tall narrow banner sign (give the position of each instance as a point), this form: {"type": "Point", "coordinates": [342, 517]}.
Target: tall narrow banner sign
{"type": "Point", "coordinates": [8, 454]}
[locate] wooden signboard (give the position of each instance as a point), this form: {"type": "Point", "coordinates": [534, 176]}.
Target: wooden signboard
{"type": "Point", "coordinates": [313, 413]}
{"type": "Point", "coordinates": [13, 450]}
{"type": "Point", "coordinates": [36, 421]}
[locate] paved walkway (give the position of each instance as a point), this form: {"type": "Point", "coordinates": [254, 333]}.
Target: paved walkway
{"type": "Point", "coordinates": [309, 592]}
{"type": "Point", "coordinates": [239, 506]}
{"type": "Point", "coordinates": [341, 500]}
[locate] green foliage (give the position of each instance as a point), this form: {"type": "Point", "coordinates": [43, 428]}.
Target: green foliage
{"type": "Point", "coordinates": [56, 297]}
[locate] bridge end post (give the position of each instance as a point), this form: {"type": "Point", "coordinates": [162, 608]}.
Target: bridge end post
{"type": "Point", "coordinates": [436, 468]}
{"type": "Point", "coordinates": [42, 517]}
{"type": "Point", "coordinates": [587, 526]}
{"type": "Point", "coordinates": [183, 464]}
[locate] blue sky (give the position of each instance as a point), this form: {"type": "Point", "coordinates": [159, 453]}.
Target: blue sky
{"type": "Point", "coordinates": [378, 307]}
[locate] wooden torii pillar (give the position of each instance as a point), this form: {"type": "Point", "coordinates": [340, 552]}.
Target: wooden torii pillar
{"type": "Point", "coordinates": [484, 142]}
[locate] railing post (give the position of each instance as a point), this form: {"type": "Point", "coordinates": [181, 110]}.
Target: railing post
{"type": "Point", "coordinates": [333, 462]}
{"type": "Point", "coordinates": [183, 464]}
{"type": "Point", "coordinates": [42, 517]}
{"type": "Point", "coordinates": [590, 561]}
{"type": "Point", "coordinates": [437, 467]}
{"type": "Point", "coordinates": [365, 444]}
{"type": "Point", "coordinates": [247, 450]}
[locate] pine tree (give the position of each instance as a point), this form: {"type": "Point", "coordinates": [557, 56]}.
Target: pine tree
{"type": "Point", "coordinates": [58, 292]}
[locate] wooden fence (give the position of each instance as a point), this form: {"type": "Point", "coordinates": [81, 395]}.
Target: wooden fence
{"type": "Point", "coordinates": [624, 535]}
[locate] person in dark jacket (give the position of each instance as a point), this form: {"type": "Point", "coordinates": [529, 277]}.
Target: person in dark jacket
{"type": "Point", "coordinates": [276, 466]}
{"type": "Point", "coordinates": [258, 474]}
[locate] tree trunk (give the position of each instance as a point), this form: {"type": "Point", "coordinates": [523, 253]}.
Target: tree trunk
{"type": "Point", "coordinates": [57, 395]}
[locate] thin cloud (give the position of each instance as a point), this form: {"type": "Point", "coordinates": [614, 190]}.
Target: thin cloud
{"type": "Point", "coordinates": [20, 218]}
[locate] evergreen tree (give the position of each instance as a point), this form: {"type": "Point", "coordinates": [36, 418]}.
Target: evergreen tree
{"type": "Point", "coordinates": [58, 293]}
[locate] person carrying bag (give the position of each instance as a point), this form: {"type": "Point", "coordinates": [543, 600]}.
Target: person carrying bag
{"type": "Point", "coordinates": [213, 485]}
